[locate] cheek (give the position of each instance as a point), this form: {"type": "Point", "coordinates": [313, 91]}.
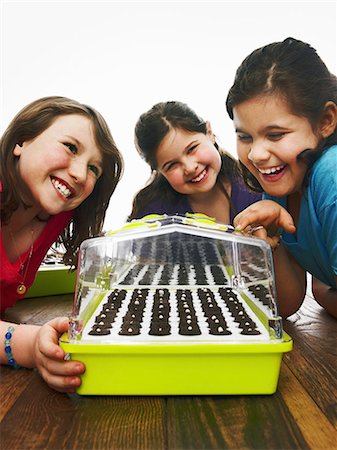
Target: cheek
{"type": "Point", "coordinates": [217, 162]}
{"type": "Point", "coordinates": [212, 158]}
{"type": "Point", "coordinates": [174, 178]}
{"type": "Point", "coordinates": [205, 154]}
{"type": "Point", "coordinates": [242, 153]}
{"type": "Point", "coordinates": [54, 156]}
{"type": "Point", "coordinates": [89, 187]}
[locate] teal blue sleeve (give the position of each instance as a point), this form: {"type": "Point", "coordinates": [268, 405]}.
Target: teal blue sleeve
{"type": "Point", "coordinates": [323, 188]}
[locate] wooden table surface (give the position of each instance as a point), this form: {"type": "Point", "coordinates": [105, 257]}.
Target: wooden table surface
{"type": "Point", "coordinates": [302, 414]}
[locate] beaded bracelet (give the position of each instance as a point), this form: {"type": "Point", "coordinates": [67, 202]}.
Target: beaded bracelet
{"type": "Point", "coordinates": [8, 348]}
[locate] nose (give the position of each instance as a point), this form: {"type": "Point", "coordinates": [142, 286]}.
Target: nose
{"type": "Point", "coordinates": [78, 171]}
{"type": "Point", "coordinates": [258, 152]}
{"type": "Point", "coordinates": [190, 166]}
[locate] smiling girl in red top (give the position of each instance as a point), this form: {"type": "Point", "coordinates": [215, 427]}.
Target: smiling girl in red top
{"type": "Point", "coordinates": [59, 167]}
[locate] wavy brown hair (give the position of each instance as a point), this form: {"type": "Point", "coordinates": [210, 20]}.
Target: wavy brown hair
{"type": "Point", "coordinates": [29, 123]}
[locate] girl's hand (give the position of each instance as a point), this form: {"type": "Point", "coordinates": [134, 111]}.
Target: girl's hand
{"type": "Point", "coordinates": [61, 375]}
{"type": "Point", "coordinates": [266, 217]}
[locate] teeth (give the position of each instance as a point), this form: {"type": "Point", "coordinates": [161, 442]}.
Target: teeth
{"type": "Point", "coordinates": [271, 170]}
{"type": "Point", "coordinates": [61, 188]}
{"type": "Point", "coordinates": [200, 177]}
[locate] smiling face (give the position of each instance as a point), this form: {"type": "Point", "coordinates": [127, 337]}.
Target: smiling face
{"type": "Point", "coordinates": [189, 161]}
{"type": "Point", "coordinates": [59, 168]}
{"type": "Point", "coordinates": [269, 139]}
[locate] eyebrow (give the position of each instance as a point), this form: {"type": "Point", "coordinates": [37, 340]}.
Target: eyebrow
{"type": "Point", "coordinates": [167, 163]}
{"type": "Point", "coordinates": [68, 136]}
{"type": "Point", "coordinates": [269, 127]}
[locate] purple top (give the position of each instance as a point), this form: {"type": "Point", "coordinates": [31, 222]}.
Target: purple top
{"type": "Point", "coordinates": [241, 197]}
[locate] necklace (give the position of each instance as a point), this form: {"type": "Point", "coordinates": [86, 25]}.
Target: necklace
{"type": "Point", "coordinates": [21, 288]}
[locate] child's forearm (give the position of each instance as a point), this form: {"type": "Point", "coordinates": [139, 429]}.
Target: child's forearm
{"type": "Point", "coordinates": [325, 296]}
{"type": "Point", "coordinates": [22, 343]}
{"type": "Point", "coordinates": [290, 280]}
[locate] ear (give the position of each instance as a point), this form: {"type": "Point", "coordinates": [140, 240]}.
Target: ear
{"type": "Point", "coordinates": [328, 122]}
{"type": "Point", "coordinates": [210, 133]}
{"type": "Point", "coordinates": [17, 150]}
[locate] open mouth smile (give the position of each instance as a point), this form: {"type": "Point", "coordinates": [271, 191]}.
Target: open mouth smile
{"type": "Point", "coordinates": [199, 177]}
{"type": "Point", "coordinates": [64, 189]}
{"type": "Point", "coordinates": [272, 170]}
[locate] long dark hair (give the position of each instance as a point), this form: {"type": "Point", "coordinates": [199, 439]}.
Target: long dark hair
{"type": "Point", "coordinates": [151, 128]}
{"type": "Point", "coordinates": [29, 123]}
{"type": "Point", "coordinates": [294, 70]}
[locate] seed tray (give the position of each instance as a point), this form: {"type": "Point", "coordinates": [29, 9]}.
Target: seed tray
{"type": "Point", "coordinates": [176, 305]}
{"type": "Point", "coordinates": [149, 314]}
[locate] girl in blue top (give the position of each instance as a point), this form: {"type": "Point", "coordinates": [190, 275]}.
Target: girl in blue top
{"type": "Point", "coordinates": [283, 104]}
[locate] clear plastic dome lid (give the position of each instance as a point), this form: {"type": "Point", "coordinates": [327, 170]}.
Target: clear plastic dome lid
{"type": "Point", "coordinates": [175, 279]}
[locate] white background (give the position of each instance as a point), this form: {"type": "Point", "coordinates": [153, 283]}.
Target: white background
{"type": "Point", "coordinates": [122, 57]}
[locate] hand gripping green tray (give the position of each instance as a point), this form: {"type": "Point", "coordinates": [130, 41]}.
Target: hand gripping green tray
{"type": "Point", "coordinates": [173, 305]}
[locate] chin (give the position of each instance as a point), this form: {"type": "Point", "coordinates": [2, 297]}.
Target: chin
{"type": "Point", "coordinates": [53, 211]}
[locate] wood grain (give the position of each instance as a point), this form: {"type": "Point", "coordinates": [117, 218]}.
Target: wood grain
{"type": "Point", "coordinates": [300, 415]}
{"type": "Point", "coordinates": [317, 430]}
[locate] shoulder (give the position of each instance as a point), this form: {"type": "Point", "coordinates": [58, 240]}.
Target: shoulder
{"type": "Point", "coordinates": [153, 207]}
{"type": "Point", "coordinates": [323, 178]}
{"type": "Point", "coordinates": [61, 220]}
{"type": "Point", "coordinates": [164, 206]}
{"type": "Point", "coordinates": [326, 164]}
{"type": "Point", "coordinates": [242, 196]}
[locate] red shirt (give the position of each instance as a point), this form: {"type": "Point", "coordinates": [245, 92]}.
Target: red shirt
{"type": "Point", "coordinates": [10, 276]}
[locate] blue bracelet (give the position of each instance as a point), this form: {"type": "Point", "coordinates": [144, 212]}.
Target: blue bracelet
{"type": "Point", "coordinates": [8, 348]}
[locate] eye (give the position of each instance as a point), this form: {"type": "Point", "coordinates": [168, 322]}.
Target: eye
{"type": "Point", "coordinates": [71, 147]}
{"type": "Point", "coordinates": [275, 136]}
{"type": "Point", "coordinates": [190, 150]}
{"type": "Point", "coordinates": [170, 166]}
{"type": "Point", "coordinates": [95, 170]}
{"type": "Point", "coordinates": [244, 137]}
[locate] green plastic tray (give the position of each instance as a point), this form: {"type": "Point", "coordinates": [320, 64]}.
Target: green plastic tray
{"type": "Point", "coordinates": [181, 369]}
{"type": "Point", "coordinates": [53, 280]}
